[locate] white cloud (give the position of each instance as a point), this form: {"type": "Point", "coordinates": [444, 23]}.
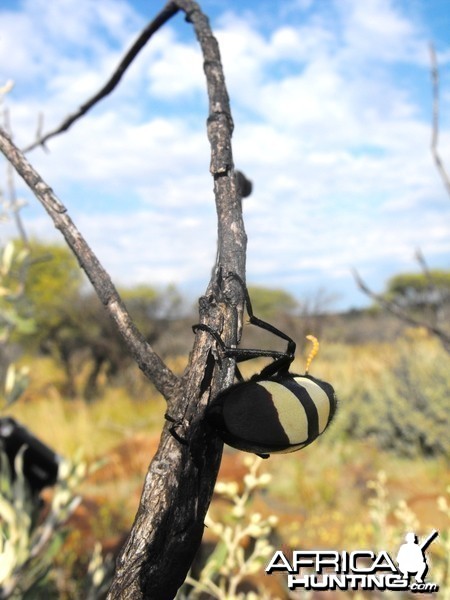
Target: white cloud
{"type": "Point", "coordinates": [376, 30]}
{"type": "Point", "coordinates": [178, 70]}
{"type": "Point", "coordinates": [152, 247]}
{"type": "Point", "coordinates": [326, 127]}
{"type": "Point", "coordinates": [46, 38]}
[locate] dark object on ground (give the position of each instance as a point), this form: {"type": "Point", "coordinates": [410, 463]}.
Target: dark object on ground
{"type": "Point", "coordinates": [40, 463]}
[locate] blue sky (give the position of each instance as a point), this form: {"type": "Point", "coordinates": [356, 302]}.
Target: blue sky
{"type": "Point", "coordinates": [332, 107]}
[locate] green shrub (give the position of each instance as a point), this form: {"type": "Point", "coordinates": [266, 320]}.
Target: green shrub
{"type": "Point", "coordinates": [401, 401]}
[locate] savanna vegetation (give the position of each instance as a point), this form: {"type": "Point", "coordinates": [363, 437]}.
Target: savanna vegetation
{"type": "Point", "coordinates": [380, 471]}
{"type": "Point", "coordinates": [384, 461]}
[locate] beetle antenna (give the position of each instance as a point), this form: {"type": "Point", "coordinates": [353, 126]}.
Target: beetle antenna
{"type": "Point", "coordinates": [314, 350]}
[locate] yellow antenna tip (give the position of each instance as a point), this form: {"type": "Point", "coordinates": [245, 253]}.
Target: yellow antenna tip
{"type": "Point", "coordinates": [313, 352]}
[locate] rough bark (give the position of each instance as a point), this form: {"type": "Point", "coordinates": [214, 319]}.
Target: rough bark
{"type": "Point", "coordinates": [168, 527]}
{"type": "Point", "coordinates": [179, 485]}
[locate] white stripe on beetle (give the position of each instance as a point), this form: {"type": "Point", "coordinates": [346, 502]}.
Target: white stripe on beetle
{"type": "Point", "coordinates": [319, 398]}
{"type": "Point", "coordinates": [291, 413]}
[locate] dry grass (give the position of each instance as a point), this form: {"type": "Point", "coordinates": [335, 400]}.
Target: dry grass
{"type": "Point", "coordinates": [69, 426]}
{"type": "Point", "coordinates": [320, 494]}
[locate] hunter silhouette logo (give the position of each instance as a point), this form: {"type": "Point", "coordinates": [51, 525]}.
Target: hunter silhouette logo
{"type": "Point", "coordinates": [411, 556]}
{"type": "Point", "coordinates": [359, 569]}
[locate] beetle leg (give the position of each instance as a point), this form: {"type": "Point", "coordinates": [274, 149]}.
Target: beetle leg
{"type": "Point", "coordinates": [177, 423]}
{"type": "Point", "coordinates": [211, 331]}
{"type": "Point", "coordinates": [263, 324]}
{"type": "Point", "coordinates": [282, 360]}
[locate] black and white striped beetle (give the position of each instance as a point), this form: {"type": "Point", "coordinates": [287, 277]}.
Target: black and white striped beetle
{"type": "Point", "coordinates": [275, 411]}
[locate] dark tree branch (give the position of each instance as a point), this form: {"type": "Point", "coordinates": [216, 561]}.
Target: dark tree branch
{"type": "Point", "coordinates": [435, 127]}
{"type": "Point", "coordinates": [169, 524]}
{"type": "Point", "coordinates": [167, 13]}
{"type": "Point", "coordinates": [147, 359]}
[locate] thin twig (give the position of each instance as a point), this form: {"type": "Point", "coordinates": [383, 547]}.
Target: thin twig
{"type": "Point", "coordinates": [150, 363]}
{"type": "Point", "coordinates": [424, 265]}
{"type": "Point", "coordinates": [435, 127]}
{"type": "Point", "coordinates": [420, 257]}
{"type": "Point", "coordinates": [390, 305]}
{"type": "Point", "coordinates": [442, 297]}
{"type": "Point", "coordinates": [13, 202]}
{"type": "Point", "coordinates": [167, 12]}
{"type": "Point", "coordinates": [400, 313]}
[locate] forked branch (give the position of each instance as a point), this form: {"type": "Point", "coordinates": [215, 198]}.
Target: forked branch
{"type": "Point", "coordinates": [169, 524]}
{"type": "Point", "coordinates": [179, 485]}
